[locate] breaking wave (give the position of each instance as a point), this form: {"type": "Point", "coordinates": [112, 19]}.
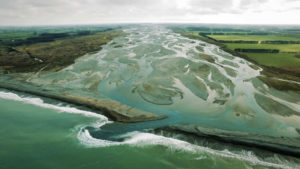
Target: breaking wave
{"type": "Point", "coordinates": [40, 103]}
{"type": "Point", "coordinates": [141, 139]}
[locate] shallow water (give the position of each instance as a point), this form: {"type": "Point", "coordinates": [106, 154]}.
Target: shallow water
{"type": "Point", "coordinates": [157, 70]}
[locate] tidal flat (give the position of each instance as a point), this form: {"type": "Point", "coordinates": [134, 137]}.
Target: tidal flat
{"type": "Point", "coordinates": [180, 99]}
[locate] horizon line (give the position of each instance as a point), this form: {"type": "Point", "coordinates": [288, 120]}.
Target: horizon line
{"type": "Point", "coordinates": [158, 23]}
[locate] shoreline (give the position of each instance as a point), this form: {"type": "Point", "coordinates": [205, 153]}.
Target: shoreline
{"type": "Point", "coordinates": [280, 145]}
{"type": "Point", "coordinates": [114, 110]}
{"type": "Point", "coordinates": [120, 112]}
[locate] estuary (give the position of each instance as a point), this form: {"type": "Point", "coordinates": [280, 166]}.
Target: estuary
{"type": "Point", "coordinates": [215, 111]}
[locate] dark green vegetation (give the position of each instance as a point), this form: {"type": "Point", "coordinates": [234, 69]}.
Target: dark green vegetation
{"type": "Point", "coordinates": [274, 48]}
{"type": "Point", "coordinates": [49, 48]}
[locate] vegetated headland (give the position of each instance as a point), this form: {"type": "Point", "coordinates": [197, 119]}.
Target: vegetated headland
{"type": "Point", "coordinates": [26, 51]}
{"type": "Point", "coordinates": [276, 49]}
{"type": "Point", "coordinates": [30, 49]}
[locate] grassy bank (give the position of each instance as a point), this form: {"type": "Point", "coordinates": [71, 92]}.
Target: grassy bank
{"type": "Point", "coordinates": [20, 52]}
{"type": "Point", "coordinates": [246, 37]}
{"type": "Point", "coordinates": [286, 57]}
{"type": "Point", "coordinates": [277, 52]}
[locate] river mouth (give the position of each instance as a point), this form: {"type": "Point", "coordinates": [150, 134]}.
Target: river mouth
{"type": "Point", "coordinates": [190, 81]}
{"type": "Point", "coordinates": [103, 133]}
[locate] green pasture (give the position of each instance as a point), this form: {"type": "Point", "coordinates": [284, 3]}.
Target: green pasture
{"type": "Point", "coordinates": [275, 59]}
{"type": "Point", "coordinates": [285, 58]}
{"type": "Point", "coordinates": [15, 35]}
{"type": "Point", "coordinates": [254, 37]}
{"type": "Point", "coordinates": [285, 48]}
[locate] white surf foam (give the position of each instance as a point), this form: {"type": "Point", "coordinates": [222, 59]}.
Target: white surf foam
{"type": "Point", "coordinates": [140, 139]}
{"type": "Point", "coordinates": [39, 102]}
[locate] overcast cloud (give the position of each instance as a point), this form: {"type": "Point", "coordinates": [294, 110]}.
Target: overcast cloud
{"type": "Point", "coordinates": [49, 12]}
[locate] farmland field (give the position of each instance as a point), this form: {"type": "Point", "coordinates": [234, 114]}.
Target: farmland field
{"type": "Point", "coordinates": [269, 48]}
{"type": "Point", "coordinates": [254, 37]}
{"type": "Point", "coordinates": [287, 55]}
{"type": "Point", "coordinates": [284, 48]}
{"type": "Point", "coordinates": [276, 59]}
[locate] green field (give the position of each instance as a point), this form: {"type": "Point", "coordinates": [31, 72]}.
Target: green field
{"type": "Point", "coordinates": [284, 48]}
{"type": "Point", "coordinates": [31, 49]}
{"type": "Point", "coordinates": [285, 59]}
{"type": "Point", "coordinates": [276, 59]}
{"type": "Point", "coordinates": [9, 36]}
{"type": "Point", "coordinates": [16, 35]}
{"type": "Point", "coordinates": [254, 37]}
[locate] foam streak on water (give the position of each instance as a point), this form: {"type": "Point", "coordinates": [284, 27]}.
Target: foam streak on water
{"type": "Point", "coordinates": [140, 139]}
{"type": "Point", "coordinates": [137, 139]}
{"type": "Point", "coordinates": [39, 102]}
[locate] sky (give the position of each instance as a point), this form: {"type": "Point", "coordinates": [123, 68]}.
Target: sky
{"type": "Point", "coordinates": [65, 12]}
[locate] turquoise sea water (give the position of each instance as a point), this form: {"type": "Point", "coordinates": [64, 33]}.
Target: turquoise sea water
{"type": "Point", "coordinates": [156, 70]}
{"type": "Point", "coordinates": [35, 134]}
